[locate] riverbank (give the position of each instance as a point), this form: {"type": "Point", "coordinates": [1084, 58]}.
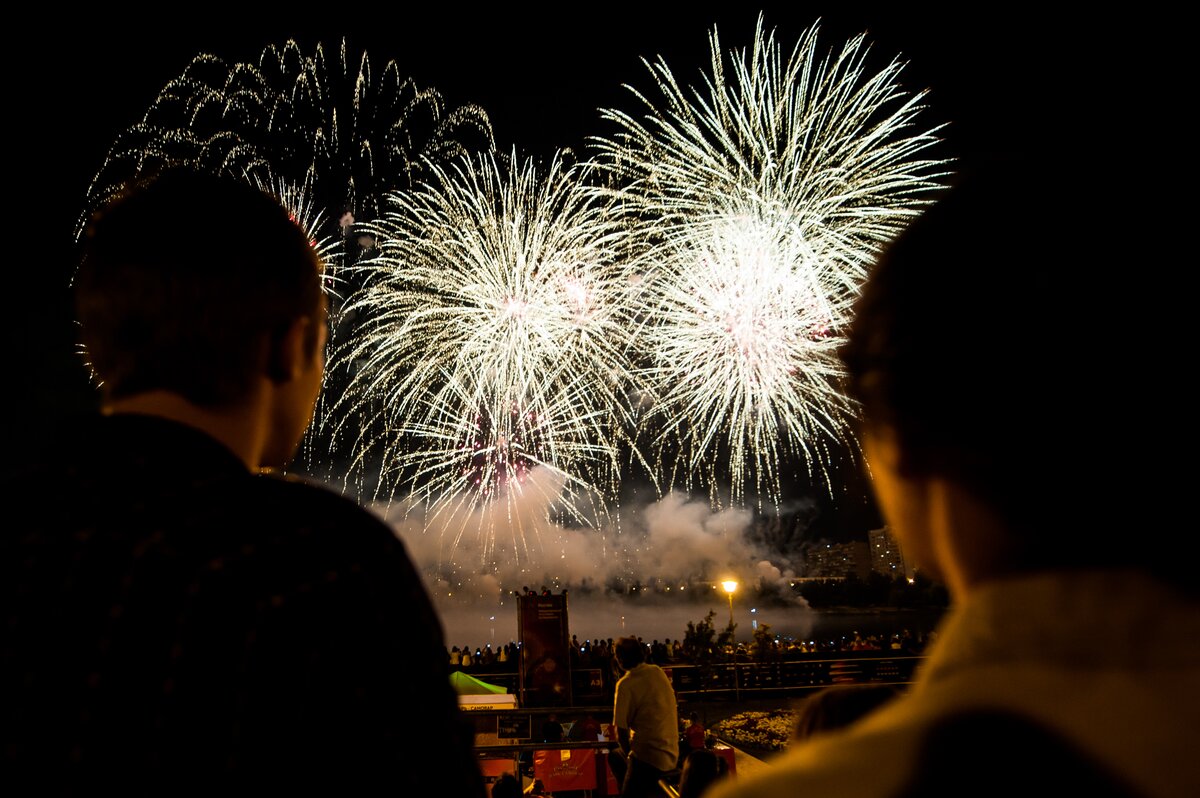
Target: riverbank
{"type": "Point", "coordinates": [591, 618]}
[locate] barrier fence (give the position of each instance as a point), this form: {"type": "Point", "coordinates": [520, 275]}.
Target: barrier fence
{"type": "Point", "coordinates": [592, 685]}
{"type": "Point", "coordinates": [586, 767]}
{"type": "Point", "coordinates": [507, 740]}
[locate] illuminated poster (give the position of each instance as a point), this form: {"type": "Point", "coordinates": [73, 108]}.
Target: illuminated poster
{"type": "Point", "coordinates": [545, 655]}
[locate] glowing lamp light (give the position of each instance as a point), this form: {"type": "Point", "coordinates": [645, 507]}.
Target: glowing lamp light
{"type": "Point", "coordinates": [730, 586]}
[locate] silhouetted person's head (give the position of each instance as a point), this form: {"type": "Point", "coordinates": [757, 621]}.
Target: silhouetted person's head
{"type": "Point", "coordinates": [700, 769]}
{"type": "Point", "coordinates": [506, 786]}
{"type": "Point", "coordinates": [630, 652]}
{"type": "Point", "coordinates": [840, 705]}
{"type": "Point", "coordinates": [203, 287]}
{"type": "Point", "coordinates": [986, 352]}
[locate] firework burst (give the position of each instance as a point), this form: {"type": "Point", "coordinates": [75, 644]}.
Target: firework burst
{"type": "Point", "coordinates": [327, 133]}
{"type": "Point", "coordinates": [493, 358]}
{"type": "Point", "coordinates": [330, 125]}
{"type": "Point", "coordinates": [763, 197]}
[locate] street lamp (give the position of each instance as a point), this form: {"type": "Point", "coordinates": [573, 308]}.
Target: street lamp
{"type": "Point", "coordinates": [730, 586]}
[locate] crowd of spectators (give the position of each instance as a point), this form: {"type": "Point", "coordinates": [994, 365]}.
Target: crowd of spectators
{"type": "Point", "coordinates": [598, 653]}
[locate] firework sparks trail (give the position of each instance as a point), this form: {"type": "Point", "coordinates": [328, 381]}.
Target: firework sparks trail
{"type": "Point", "coordinates": [327, 133]}
{"type": "Point", "coordinates": [764, 196]}
{"type": "Point", "coordinates": [330, 125]}
{"type": "Point", "coordinates": [495, 345]}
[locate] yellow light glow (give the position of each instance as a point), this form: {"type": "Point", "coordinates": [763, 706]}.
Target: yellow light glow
{"type": "Point", "coordinates": [729, 585]}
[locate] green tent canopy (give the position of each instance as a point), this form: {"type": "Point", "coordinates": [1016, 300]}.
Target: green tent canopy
{"type": "Point", "coordinates": [465, 684]}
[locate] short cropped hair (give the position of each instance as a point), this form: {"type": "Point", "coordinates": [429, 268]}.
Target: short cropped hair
{"type": "Point", "coordinates": [932, 348]}
{"type": "Point", "coordinates": [630, 652]}
{"type": "Point", "coordinates": [182, 279]}
{"type": "Point", "coordinates": [839, 706]}
{"type": "Point", "coordinates": [987, 339]}
{"type": "Point", "coordinates": [506, 786]}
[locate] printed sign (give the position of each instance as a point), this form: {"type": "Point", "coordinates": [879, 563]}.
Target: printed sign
{"type": "Point", "coordinates": [545, 656]}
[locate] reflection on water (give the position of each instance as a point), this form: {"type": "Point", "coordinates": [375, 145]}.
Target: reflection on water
{"type": "Point", "coordinates": [596, 617]}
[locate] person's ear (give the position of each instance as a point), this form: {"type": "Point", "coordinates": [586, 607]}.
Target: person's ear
{"type": "Point", "coordinates": [288, 353]}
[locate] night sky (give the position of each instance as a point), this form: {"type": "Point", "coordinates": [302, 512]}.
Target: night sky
{"type": "Point", "coordinates": [1000, 79]}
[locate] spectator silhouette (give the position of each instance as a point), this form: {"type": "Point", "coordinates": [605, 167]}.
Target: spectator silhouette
{"type": "Point", "coordinates": [838, 706]}
{"type": "Point", "coordinates": [177, 619]}
{"type": "Point", "coordinates": [506, 786]}
{"type": "Point", "coordinates": [701, 769]}
{"type": "Point", "coordinates": [982, 391]}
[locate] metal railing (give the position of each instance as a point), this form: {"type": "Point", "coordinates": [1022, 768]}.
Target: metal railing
{"type": "Point", "coordinates": [594, 686]}
{"type": "Point", "coordinates": [791, 675]}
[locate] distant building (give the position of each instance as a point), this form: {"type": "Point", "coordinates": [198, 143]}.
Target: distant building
{"type": "Point", "coordinates": [840, 559]}
{"type": "Point", "coordinates": [887, 557]}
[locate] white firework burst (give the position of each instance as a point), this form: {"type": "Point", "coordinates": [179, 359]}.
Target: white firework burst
{"type": "Point", "coordinates": [329, 123]}
{"type": "Point", "coordinates": [328, 132]}
{"type": "Point", "coordinates": [493, 354]}
{"type": "Point", "coordinates": [763, 196]}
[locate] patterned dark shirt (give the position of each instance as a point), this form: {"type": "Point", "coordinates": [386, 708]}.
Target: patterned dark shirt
{"type": "Point", "coordinates": [176, 624]}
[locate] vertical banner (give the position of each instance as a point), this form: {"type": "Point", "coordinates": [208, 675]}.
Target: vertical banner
{"type": "Point", "coordinates": [545, 651]}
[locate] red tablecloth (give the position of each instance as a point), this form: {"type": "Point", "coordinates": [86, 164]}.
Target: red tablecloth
{"type": "Point", "coordinates": [726, 753]}
{"type": "Point", "coordinates": [573, 769]}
